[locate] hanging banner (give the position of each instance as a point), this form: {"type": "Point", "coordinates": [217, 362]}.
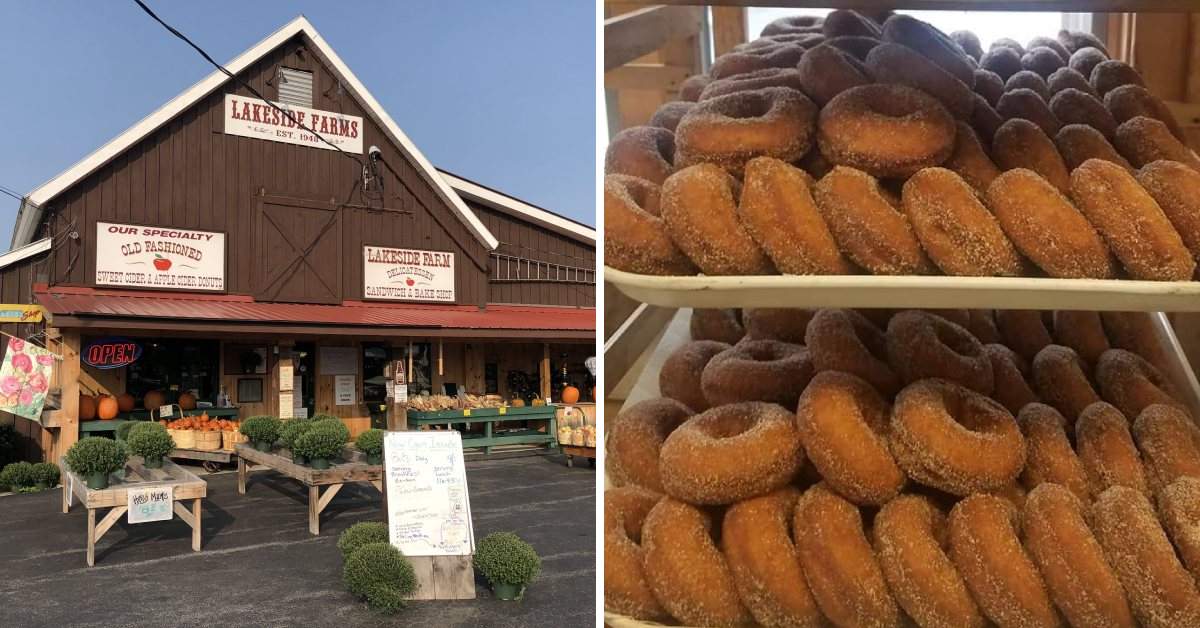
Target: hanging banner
{"type": "Point", "coordinates": [251, 117]}
{"type": "Point", "coordinates": [138, 256]}
{"type": "Point", "coordinates": [19, 313]}
{"type": "Point", "coordinates": [25, 379]}
{"type": "Point", "coordinates": [408, 274]}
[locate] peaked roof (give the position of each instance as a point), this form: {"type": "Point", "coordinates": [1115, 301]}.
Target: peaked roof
{"type": "Point", "coordinates": [516, 207]}
{"type": "Point", "coordinates": [30, 212]}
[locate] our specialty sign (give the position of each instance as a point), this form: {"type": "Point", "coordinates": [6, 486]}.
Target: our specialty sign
{"type": "Point", "coordinates": [137, 256]}
{"type": "Point", "coordinates": [251, 117]}
{"type": "Point", "coordinates": [408, 274]}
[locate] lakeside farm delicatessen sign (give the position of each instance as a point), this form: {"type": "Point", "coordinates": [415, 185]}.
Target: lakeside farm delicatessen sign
{"type": "Point", "coordinates": [140, 256]}
{"type": "Point", "coordinates": [408, 274]}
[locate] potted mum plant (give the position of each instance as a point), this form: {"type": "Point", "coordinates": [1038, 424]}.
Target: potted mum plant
{"type": "Point", "coordinates": [508, 563]}
{"type": "Point", "coordinates": [289, 431]}
{"type": "Point", "coordinates": [95, 458]}
{"type": "Point", "coordinates": [360, 534]}
{"type": "Point", "coordinates": [150, 441]}
{"type": "Point", "coordinates": [382, 575]}
{"type": "Point", "coordinates": [319, 445]}
{"type": "Point", "coordinates": [370, 443]}
{"type": "Point", "coordinates": [45, 475]}
{"type": "Point", "coordinates": [262, 431]}
{"type": "Point", "coordinates": [17, 476]}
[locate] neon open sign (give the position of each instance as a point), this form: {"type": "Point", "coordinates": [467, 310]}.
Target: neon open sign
{"type": "Point", "coordinates": [111, 353]}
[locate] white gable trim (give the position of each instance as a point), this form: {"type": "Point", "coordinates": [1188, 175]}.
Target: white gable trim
{"type": "Point", "coordinates": [30, 212]}
{"type": "Point", "coordinates": [27, 251]}
{"type": "Point", "coordinates": [514, 206]}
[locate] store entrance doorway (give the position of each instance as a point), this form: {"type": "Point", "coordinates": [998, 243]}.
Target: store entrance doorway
{"type": "Point", "coordinates": [304, 379]}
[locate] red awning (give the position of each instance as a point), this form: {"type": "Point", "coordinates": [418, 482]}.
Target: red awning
{"type": "Point", "coordinates": [89, 307]}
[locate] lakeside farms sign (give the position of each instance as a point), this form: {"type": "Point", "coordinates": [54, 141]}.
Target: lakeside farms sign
{"type": "Point", "coordinates": [251, 117]}
{"type": "Point", "coordinates": [408, 274]}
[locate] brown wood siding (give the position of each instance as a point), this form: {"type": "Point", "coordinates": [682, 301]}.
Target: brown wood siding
{"type": "Point", "coordinates": [16, 286]}
{"type": "Point", "coordinates": [190, 174]}
{"type": "Point", "coordinates": [523, 239]}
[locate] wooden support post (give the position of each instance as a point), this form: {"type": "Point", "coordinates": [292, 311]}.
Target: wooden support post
{"type": "Point", "coordinates": [91, 533]}
{"type": "Point", "coordinates": [242, 475]}
{"type": "Point", "coordinates": [314, 512]}
{"type": "Point", "coordinates": [728, 28]}
{"type": "Point", "coordinates": [68, 415]}
{"type": "Point", "coordinates": [196, 525]}
{"type": "Point", "coordinates": [544, 372]}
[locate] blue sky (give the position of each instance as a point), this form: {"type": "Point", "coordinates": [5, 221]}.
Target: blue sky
{"type": "Point", "coordinates": [502, 93]}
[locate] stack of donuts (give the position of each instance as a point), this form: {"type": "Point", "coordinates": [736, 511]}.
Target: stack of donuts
{"type": "Point", "coordinates": [943, 468]}
{"type": "Point", "coordinates": [844, 145]}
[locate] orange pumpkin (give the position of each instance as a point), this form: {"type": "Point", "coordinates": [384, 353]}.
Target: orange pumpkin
{"type": "Point", "coordinates": [87, 407]}
{"type": "Point", "coordinates": [153, 400]}
{"type": "Point", "coordinates": [518, 403]}
{"type": "Point", "coordinates": [107, 408]}
{"type": "Point", "coordinates": [570, 395]}
{"type": "Point", "coordinates": [125, 402]}
{"type": "Point", "coordinates": [187, 401]}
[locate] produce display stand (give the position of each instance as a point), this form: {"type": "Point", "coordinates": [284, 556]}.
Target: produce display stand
{"type": "Point", "coordinates": [332, 479]}
{"type": "Point", "coordinates": [573, 452]}
{"type": "Point", "coordinates": [571, 418]}
{"type": "Point", "coordinates": [489, 417]}
{"type": "Point", "coordinates": [210, 459]}
{"type": "Point", "coordinates": [186, 486]}
{"type": "Point", "coordinates": [110, 425]}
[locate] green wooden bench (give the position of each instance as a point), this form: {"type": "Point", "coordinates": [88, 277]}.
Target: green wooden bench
{"type": "Point", "coordinates": [489, 417]}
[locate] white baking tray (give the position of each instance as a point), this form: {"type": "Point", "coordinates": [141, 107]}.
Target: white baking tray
{"type": "Point", "coordinates": [811, 291]}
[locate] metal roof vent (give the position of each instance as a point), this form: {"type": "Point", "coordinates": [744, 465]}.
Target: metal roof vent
{"type": "Point", "coordinates": [295, 87]}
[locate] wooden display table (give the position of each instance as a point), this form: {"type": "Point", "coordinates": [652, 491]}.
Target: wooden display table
{"type": "Point", "coordinates": [354, 470]}
{"type": "Point", "coordinates": [111, 425]}
{"type": "Point", "coordinates": [186, 486]}
{"type": "Point", "coordinates": [583, 452]}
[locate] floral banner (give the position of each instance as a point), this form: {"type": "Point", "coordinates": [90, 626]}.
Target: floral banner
{"type": "Point", "coordinates": [25, 378]}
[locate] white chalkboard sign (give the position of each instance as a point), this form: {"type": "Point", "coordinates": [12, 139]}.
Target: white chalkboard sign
{"type": "Point", "coordinates": [429, 510]}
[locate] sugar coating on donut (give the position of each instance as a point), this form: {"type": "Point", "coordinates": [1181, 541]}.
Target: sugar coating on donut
{"type": "Point", "coordinates": [757, 370]}
{"type": "Point", "coordinates": [1009, 370]}
{"type": "Point", "coordinates": [1026, 79]}
{"type": "Point", "coordinates": [970, 161]}
{"type": "Point", "coordinates": [669, 114]}
{"type": "Point", "coordinates": [1109, 75]}
{"type": "Point", "coordinates": [730, 130]}
{"type": "Point", "coordinates": [722, 325]}
{"type": "Point", "coordinates": [757, 542]}
{"type": "Point", "coordinates": [793, 24]}
{"type": "Point", "coordinates": [895, 63]}
{"type": "Point", "coordinates": [1042, 60]}
{"type": "Point", "coordinates": [842, 22]}
{"type": "Point", "coordinates": [954, 439]}
{"type": "Point", "coordinates": [1160, 590]}
{"type": "Point", "coordinates": [1051, 458]}
{"type": "Point", "coordinates": [985, 120]}
{"type": "Point", "coordinates": [1083, 332]}
{"type": "Point", "coordinates": [827, 70]}
{"type": "Point", "coordinates": [985, 547]}
{"type": "Point", "coordinates": [1078, 143]}
{"type": "Point", "coordinates": [1068, 78]}
{"type": "Point", "coordinates": [1024, 331]}
{"type": "Point", "coordinates": [1170, 444]}
{"type": "Point", "coordinates": [1143, 140]}
{"type": "Point", "coordinates": [1106, 449]}
{"type": "Point", "coordinates": [1135, 227]}
{"type": "Point", "coordinates": [1129, 101]}
{"type": "Point", "coordinates": [776, 54]}
{"type": "Point", "coordinates": [1176, 189]}
{"type": "Point", "coordinates": [1004, 61]}
{"type": "Point", "coordinates": [1062, 381]}
{"type": "Point", "coordinates": [636, 239]}
{"type": "Point", "coordinates": [856, 46]}
{"type": "Point", "coordinates": [783, 324]}
{"type": "Point", "coordinates": [1179, 511]}
{"type": "Point", "coordinates": [838, 561]}
{"type": "Point", "coordinates": [1072, 106]}
{"type": "Point", "coordinates": [910, 539]}
{"type": "Point", "coordinates": [844, 340]}
{"type": "Point", "coordinates": [982, 325]}
{"type": "Point", "coordinates": [931, 42]}
{"type": "Point", "coordinates": [1136, 332]}
{"type": "Point", "coordinates": [1084, 60]}
{"type": "Point", "coordinates": [679, 378]}
{"type": "Point", "coordinates": [1020, 143]}
{"type": "Point", "coordinates": [767, 77]}
{"type": "Point", "coordinates": [921, 345]}
{"type": "Point", "coordinates": [1074, 41]}
{"type": "Point", "coordinates": [699, 207]}
{"type": "Point", "coordinates": [625, 588]}
{"type": "Point", "coordinates": [647, 152]}
{"type": "Point", "coordinates": [1007, 42]}
{"type": "Point", "coordinates": [731, 452]}
{"type": "Point", "coordinates": [989, 85]}
{"type": "Point", "coordinates": [1081, 582]}
{"type": "Point", "coordinates": [686, 571]}
{"type": "Point", "coordinates": [636, 437]}
{"type": "Point", "coordinates": [1049, 42]}
{"type": "Point", "coordinates": [969, 42]}
{"type": "Point", "coordinates": [692, 86]}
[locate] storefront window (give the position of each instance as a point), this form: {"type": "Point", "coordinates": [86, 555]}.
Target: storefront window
{"type": "Point", "coordinates": [174, 366]}
{"type": "Point", "coordinates": [375, 359]}
{"type": "Point", "coordinates": [421, 376]}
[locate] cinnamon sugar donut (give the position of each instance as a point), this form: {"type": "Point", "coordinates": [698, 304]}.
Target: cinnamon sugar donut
{"type": "Point", "coordinates": [625, 588]}
{"type": "Point", "coordinates": [1083, 332]}
{"type": "Point", "coordinates": [1067, 78]}
{"type": "Point", "coordinates": [1136, 332]}
{"type": "Point", "coordinates": [1075, 41]}
{"type": "Point", "coordinates": [985, 547]}
{"type": "Point", "coordinates": [1010, 373]}
{"type": "Point", "coordinates": [1042, 60]}
{"type": "Point", "coordinates": [1047, 228]}
{"type": "Point", "coordinates": [720, 325]}
{"type": "Point", "coordinates": [1179, 512]}
{"type": "Point", "coordinates": [1062, 381]}
{"type": "Point", "coordinates": [1109, 75]}
{"type": "Point", "coordinates": [886, 130]}
{"type": "Point", "coordinates": [969, 42]}
{"type": "Point", "coordinates": [921, 345]}
{"type": "Point", "coordinates": [910, 542]}
{"type": "Point", "coordinates": [871, 232]}
{"type": "Point", "coordinates": [844, 340]}
{"type": "Point", "coordinates": [1026, 104]}
{"type": "Point", "coordinates": [1169, 442]}
{"type": "Point", "coordinates": [1134, 226]}
{"type": "Point", "coordinates": [776, 55]}
{"type": "Point", "coordinates": [779, 213]}
{"type": "Point", "coordinates": [804, 40]}
{"type": "Point", "coordinates": [1131, 383]}
{"type": "Point", "coordinates": [1008, 42]}
{"type": "Point", "coordinates": [901, 65]}
{"type": "Point", "coordinates": [679, 378]}
{"type": "Point", "coordinates": [730, 453]}
{"type": "Point", "coordinates": [757, 370]}
{"type": "Point", "coordinates": [1020, 143]}
{"type": "Point", "coordinates": [989, 85]}
{"type": "Point", "coordinates": [1130, 101]}
{"type": "Point", "coordinates": [959, 234]}
{"type": "Point", "coordinates": [857, 47]}
{"type": "Point", "coordinates": [641, 151]}
{"type": "Point", "coordinates": [793, 24]}
{"type": "Point", "coordinates": [1145, 140]}
{"type": "Point", "coordinates": [932, 43]}
{"type": "Point", "coordinates": [1160, 590]}
{"type": "Point", "coordinates": [982, 325]}
{"type": "Point", "coordinates": [782, 324]}
{"type": "Point", "coordinates": [1026, 79]}
{"type": "Point", "coordinates": [700, 211]}
{"type": "Point", "coordinates": [826, 71]}
{"type": "Point", "coordinates": [1078, 143]}
{"type": "Point", "coordinates": [1106, 450]}
{"type": "Point", "coordinates": [730, 130]}
{"type": "Point", "coordinates": [1049, 42]}
{"type": "Point", "coordinates": [1004, 61]}
{"type": "Point", "coordinates": [839, 564]}
{"type": "Point", "coordinates": [1024, 331]}
{"type": "Point", "coordinates": [985, 120]}
{"type": "Point", "coordinates": [955, 439]}
{"type": "Point", "coordinates": [1051, 459]}
{"type": "Point", "coordinates": [757, 542]}
{"type": "Point", "coordinates": [686, 571]}
{"type": "Point", "coordinates": [843, 424]}
{"type": "Point", "coordinates": [635, 438]}
{"type": "Point", "coordinates": [636, 239]}
{"type": "Point", "coordinates": [842, 22]}
{"type": "Point", "coordinates": [1081, 582]}
{"type": "Point", "coordinates": [768, 77]}
{"type": "Point", "coordinates": [1072, 106]}
{"type": "Point", "coordinates": [692, 86]}
{"type": "Point", "coordinates": [1084, 60]}
{"type": "Point", "coordinates": [669, 114]}
{"type": "Point", "coordinates": [1176, 189]}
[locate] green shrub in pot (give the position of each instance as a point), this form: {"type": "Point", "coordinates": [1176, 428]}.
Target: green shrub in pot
{"type": "Point", "coordinates": [289, 431]}
{"type": "Point", "coordinates": [16, 476]}
{"type": "Point", "coordinates": [150, 441]}
{"type": "Point", "coordinates": [333, 423]}
{"type": "Point", "coordinates": [360, 534]}
{"type": "Point", "coordinates": [46, 475]}
{"type": "Point", "coordinates": [382, 575]}
{"type": "Point", "coordinates": [262, 431]}
{"type": "Point", "coordinates": [123, 430]}
{"type": "Point", "coordinates": [95, 457]}
{"type": "Point", "coordinates": [319, 445]}
{"type": "Point", "coordinates": [370, 443]}
{"type": "Point", "coordinates": [508, 563]}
